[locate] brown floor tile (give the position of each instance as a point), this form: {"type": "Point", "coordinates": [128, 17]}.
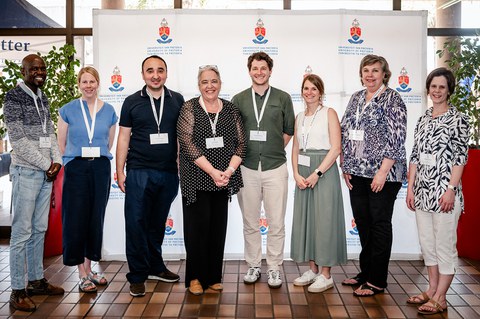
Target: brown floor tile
{"type": "Point", "coordinates": [337, 311]}
{"type": "Point", "coordinates": [245, 311]}
{"type": "Point", "coordinates": [227, 310]}
{"type": "Point", "coordinates": [116, 310]}
{"type": "Point", "coordinates": [171, 310]}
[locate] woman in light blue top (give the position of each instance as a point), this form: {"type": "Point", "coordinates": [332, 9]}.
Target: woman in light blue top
{"type": "Point", "coordinates": [86, 129]}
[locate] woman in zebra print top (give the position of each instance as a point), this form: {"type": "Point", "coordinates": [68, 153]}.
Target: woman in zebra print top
{"type": "Point", "coordinates": [434, 187]}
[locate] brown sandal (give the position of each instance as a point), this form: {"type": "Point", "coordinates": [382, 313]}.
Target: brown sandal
{"type": "Point", "coordinates": [435, 305]}
{"type": "Point", "coordinates": [416, 300]}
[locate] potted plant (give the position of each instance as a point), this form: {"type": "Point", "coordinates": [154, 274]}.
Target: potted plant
{"type": "Point", "coordinates": [60, 87]}
{"type": "Point", "coordinates": [464, 61]}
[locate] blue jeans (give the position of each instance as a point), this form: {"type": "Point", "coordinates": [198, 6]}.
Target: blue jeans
{"type": "Point", "coordinates": [149, 194]}
{"type": "Point", "coordinates": [31, 205]}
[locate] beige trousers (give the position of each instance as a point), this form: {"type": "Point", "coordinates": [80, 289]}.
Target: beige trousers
{"type": "Point", "coordinates": [271, 187]}
{"type": "Point", "coordinates": [437, 233]}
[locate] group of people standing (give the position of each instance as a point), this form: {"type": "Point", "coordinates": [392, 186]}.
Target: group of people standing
{"type": "Point", "coordinates": [235, 147]}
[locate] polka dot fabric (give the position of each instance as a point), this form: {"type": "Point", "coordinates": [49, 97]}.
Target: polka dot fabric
{"type": "Point", "coordinates": [193, 128]}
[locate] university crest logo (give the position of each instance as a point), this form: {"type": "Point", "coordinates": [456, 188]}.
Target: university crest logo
{"type": "Point", "coordinates": [116, 80]}
{"type": "Point", "coordinates": [169, 226]}
{"type": "Point", "coordinates": [354, 230]}
{"type": "Point", "coordinates": [403, 81]}
{"type": "Point", "coordinates": [308, 71]}
{"type": "Point", "coordinates": [260, 33]}
{"type": "Point", "coordinates": [263, 224]}
{"type": "Point", "coordinates": [355, 33]}
{"type": "Point", "coordinates": [115, 181]}
{"type": "Point", "coordinates": [164, 32]}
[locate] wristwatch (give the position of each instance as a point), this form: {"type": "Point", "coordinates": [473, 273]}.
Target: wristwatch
{"type": "Point", "coordinates": [453, 188]}
{"type": "Point", "coordinates": [319, 173]}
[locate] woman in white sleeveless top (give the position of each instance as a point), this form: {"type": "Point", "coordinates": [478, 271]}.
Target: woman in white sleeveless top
{"type": "Point", "coordinates": [318, 231]}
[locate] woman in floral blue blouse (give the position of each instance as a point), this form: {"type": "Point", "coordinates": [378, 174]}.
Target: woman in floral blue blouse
{"type": "Point", "coordinates": [434, 188]}
{"type": "Point", "coordinates": [374, 166]}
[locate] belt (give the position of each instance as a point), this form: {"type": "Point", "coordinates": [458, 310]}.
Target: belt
{"type": "Point", "coordinates": [88, 158]}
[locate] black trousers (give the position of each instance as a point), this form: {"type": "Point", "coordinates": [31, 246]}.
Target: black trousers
{"type": "Point", "coordinates": [86, 188]}
{"type": "Point", "coordinates": [373, 216]}
{"type": "Point", "coordinates": [205, 229]}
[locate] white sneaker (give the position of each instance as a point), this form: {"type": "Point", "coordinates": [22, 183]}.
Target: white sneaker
{"type": "Point", "coordinates": [307, 278]}
{"type": "Point", "coordinates": [274, 280]}
{"type": "Point", "coordinates": [252, 276]}
{"type": "Point", "coordinates": [321, 284]}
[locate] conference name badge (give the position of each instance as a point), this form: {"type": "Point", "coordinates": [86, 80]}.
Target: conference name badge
{"type": "Point", "coordinates": [427, 159]}
{"type": "Point", "coordinates": [304, 160]}
{"type": "Point", "coordinates": [356, 135]}
{"type": "Point", "coordinates": [158, 138]}
{"type": "Point", "coordinates": [45, 142]}
{"type": "Point", "coordinates": [91, 151]}
{"type": "Point", "coordinates": [258, 136]}
{"type": "Point", "coordinates": [214, 142]}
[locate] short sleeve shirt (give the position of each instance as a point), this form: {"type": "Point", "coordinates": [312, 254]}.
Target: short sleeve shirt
{"type": "Point", "coordinates": [278, 119]}
{"type": "Point", "coordinates": [77, 136]}
{"type": "Point", "coordinates": [137, 114]}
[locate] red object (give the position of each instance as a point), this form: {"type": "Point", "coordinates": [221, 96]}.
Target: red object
{"type": "Point", "coordinates": [469, 223]}
{"type": "Point", "coordinates": [53, 236]}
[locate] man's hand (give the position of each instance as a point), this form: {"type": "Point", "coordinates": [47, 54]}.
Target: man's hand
{"type": "Point", "coordinates": [53, 171]}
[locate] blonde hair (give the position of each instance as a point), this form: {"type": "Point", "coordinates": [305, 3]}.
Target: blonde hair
{"type": "Point", "coordinates": [90, 70]}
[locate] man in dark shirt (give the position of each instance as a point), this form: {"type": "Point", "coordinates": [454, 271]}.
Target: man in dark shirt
{"type": "Point", "coordinates": [147, 143]}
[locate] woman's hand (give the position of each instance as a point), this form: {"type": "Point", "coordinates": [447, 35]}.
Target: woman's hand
{"type": "Point", "coordinates": [378, 181]}
{"type": "Point", "coordinates": [300, 181]}
{"type": "Point", "coordinates": [219, 178]}
{"type": "Point", "coordinates": [447, 201]}
{"type": "Point", "coordinates": [347, 178]}
{"type": "Point", "coordinates": [312, 180]}
{"type": "Point", "coordinates": [410, 199]}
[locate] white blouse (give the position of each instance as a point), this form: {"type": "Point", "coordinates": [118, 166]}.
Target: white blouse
{"type": "Point", "coordinates": [313, 130]}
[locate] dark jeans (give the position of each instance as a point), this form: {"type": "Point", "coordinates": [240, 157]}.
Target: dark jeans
{"type": "Point", "coordinates": [373, 216]}
{"type": "Point", "coordinates": [205, 229]}
{"type": "Point", "coordinates": [86, 187]}
{"type": "Point", "coordinates": [149, 194]}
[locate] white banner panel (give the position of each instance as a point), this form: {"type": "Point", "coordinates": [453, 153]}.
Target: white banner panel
{"type": "Point", "coordinates": [328, 43]}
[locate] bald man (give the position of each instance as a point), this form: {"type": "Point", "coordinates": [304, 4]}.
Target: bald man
{"type": "Point", "coordinates": [35, 164]}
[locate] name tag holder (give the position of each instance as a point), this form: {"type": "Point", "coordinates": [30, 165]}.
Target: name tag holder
{"type": "Point", "coordinates": [45, 142]}
{"type": "Point", "coordinates": [158, 138]}
{"type": "Point", "coordinates": [356, 135]}
{"type": "Point", "coordinates": [258, 135]}
{"type": "Point", "coordinates": [91, 151]}
{"type": "Point", "coordinates": [214, 142]}
{"type": "Point", "coordinates": [428, 159]}
{"type": "Point", "coordinates": [304, 160]}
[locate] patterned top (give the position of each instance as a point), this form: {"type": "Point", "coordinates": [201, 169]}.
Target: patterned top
{"type": "Point", "coordinates": [193, 128]}
{"type": "Point", "coordinates": [445, 137]}
{"type": "Point", "coordinates": [384, 122]}
{"type": "Point", "coordinates": [24, 126]}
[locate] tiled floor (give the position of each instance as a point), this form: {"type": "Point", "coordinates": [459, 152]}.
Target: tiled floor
{"type": "Point", "coordinates": [239, 300]}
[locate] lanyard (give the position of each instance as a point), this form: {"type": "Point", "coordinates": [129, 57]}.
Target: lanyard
{"type": "Point", "coordinates": [255, 108]}
{"type": "Point", "coordinates": [367, 104]}
{"type": "Point", "coordinates": [305, 136]}
{"type": "Point", "coordinates": [213, 124]}
{"type": "Point", "coordinates": [34, 96]}
{"type": "Point", "coordinates": [90, 129]}
{"type": "Point", "coordinates": [158, 118]}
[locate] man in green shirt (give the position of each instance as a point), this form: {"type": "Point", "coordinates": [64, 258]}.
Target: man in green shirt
{"type": "Point", "coordinates": [269, 121]}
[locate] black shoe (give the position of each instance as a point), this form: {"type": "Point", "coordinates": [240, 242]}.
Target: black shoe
{"type": "Point", "coordinates": [43, 287]}
{"type": "Point", "coordinates": [137, 289]}
{"type": "Point", "coordinates": [21, 301]}
{"type": "Point", "coordinates": [165, 276]}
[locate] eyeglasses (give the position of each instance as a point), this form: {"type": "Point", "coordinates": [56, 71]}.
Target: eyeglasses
{"type": "Point", "coordinates": [208, 66]}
